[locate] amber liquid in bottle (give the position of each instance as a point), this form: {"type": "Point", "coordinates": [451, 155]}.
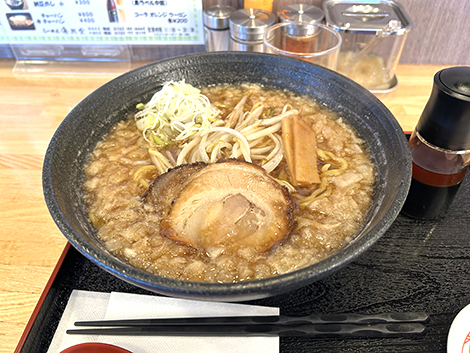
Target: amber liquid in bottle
{"type": "Point", "coordinates": [426, 200]}
{"type": "Point", "coordinates": [437, 175]}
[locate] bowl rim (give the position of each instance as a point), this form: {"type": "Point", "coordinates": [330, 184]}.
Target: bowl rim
{"type": "Point", "coordinates": [245, 290]}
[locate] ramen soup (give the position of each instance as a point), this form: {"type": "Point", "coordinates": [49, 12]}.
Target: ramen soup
{"type": "Point", "coordinates": [228, 183]}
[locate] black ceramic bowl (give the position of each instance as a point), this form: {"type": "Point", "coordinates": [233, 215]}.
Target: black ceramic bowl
{"type": "Point", "coordinates": [95, 115]}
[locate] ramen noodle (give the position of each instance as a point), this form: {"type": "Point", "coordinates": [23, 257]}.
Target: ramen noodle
{"type": "Point", "coordinates": [241, 123]}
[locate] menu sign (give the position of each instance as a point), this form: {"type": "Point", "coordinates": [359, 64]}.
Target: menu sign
{"type": "Point", "coordinates": [3, 36]}
{"type": "Point", "coordinates": [102, 21]}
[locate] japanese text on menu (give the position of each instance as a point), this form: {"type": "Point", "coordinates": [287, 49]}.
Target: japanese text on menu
{"type": "Point", "coordinates": [103, 21]}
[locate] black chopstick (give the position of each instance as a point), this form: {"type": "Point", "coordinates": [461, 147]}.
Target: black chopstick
{"type": "Point", "coordinates": [277, 320]}
{"type": "Point", "coordinates": [315, 325]}
{"type": "Point", "coordinates": [325, 330]}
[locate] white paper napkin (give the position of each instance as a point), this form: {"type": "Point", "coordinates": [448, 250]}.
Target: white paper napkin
{"type": "Point", "coordinates": [84, 305]}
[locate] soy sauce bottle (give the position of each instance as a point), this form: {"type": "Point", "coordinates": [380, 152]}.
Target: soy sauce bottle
{"type": "Point", "coordinates": [440, 145]}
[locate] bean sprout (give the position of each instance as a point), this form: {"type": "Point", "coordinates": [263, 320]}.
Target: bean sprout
{"type": "Point", "coordinates": [179, 114]}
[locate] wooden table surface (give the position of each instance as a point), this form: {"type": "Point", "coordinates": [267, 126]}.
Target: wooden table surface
{"type": "Point", "coordinates": [31, 108]}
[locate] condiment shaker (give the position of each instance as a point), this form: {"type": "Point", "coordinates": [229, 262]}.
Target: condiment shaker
{"type": "Point", "coordinates": [247, 27]}
{"type": "Point", "coordinates": [297, 38]}
{"type": "Point", "coordinates": [301, 13]}
{"type": "Point", "coordinates": [216, 27]}
{"type": "Point", "coordinates": [440, 145]}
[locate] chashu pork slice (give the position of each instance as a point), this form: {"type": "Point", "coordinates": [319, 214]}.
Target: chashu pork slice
{"type": "Point", "coordinates": [229, 204]}
{"type": "Point", "coordinates": [166, 187]}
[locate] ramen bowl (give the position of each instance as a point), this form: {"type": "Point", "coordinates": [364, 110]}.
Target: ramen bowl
{"type": "Point", "coordinates": [90, 120]}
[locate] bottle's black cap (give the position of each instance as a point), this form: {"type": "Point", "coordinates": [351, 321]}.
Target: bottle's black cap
{"type": "Point", "coordinates": [445, 121]}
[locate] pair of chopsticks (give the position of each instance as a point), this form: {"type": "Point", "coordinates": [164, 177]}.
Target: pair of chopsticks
{"type": "Point", "coordinates": [315, 325]}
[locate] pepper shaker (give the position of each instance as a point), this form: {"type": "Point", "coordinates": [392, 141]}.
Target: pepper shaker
{"type": "Point", "coordinates": [440, 145]}
{"type": "Point", "coordinates": [247, 27]}
{"type": "Point", "coordinates": [216, 27]}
